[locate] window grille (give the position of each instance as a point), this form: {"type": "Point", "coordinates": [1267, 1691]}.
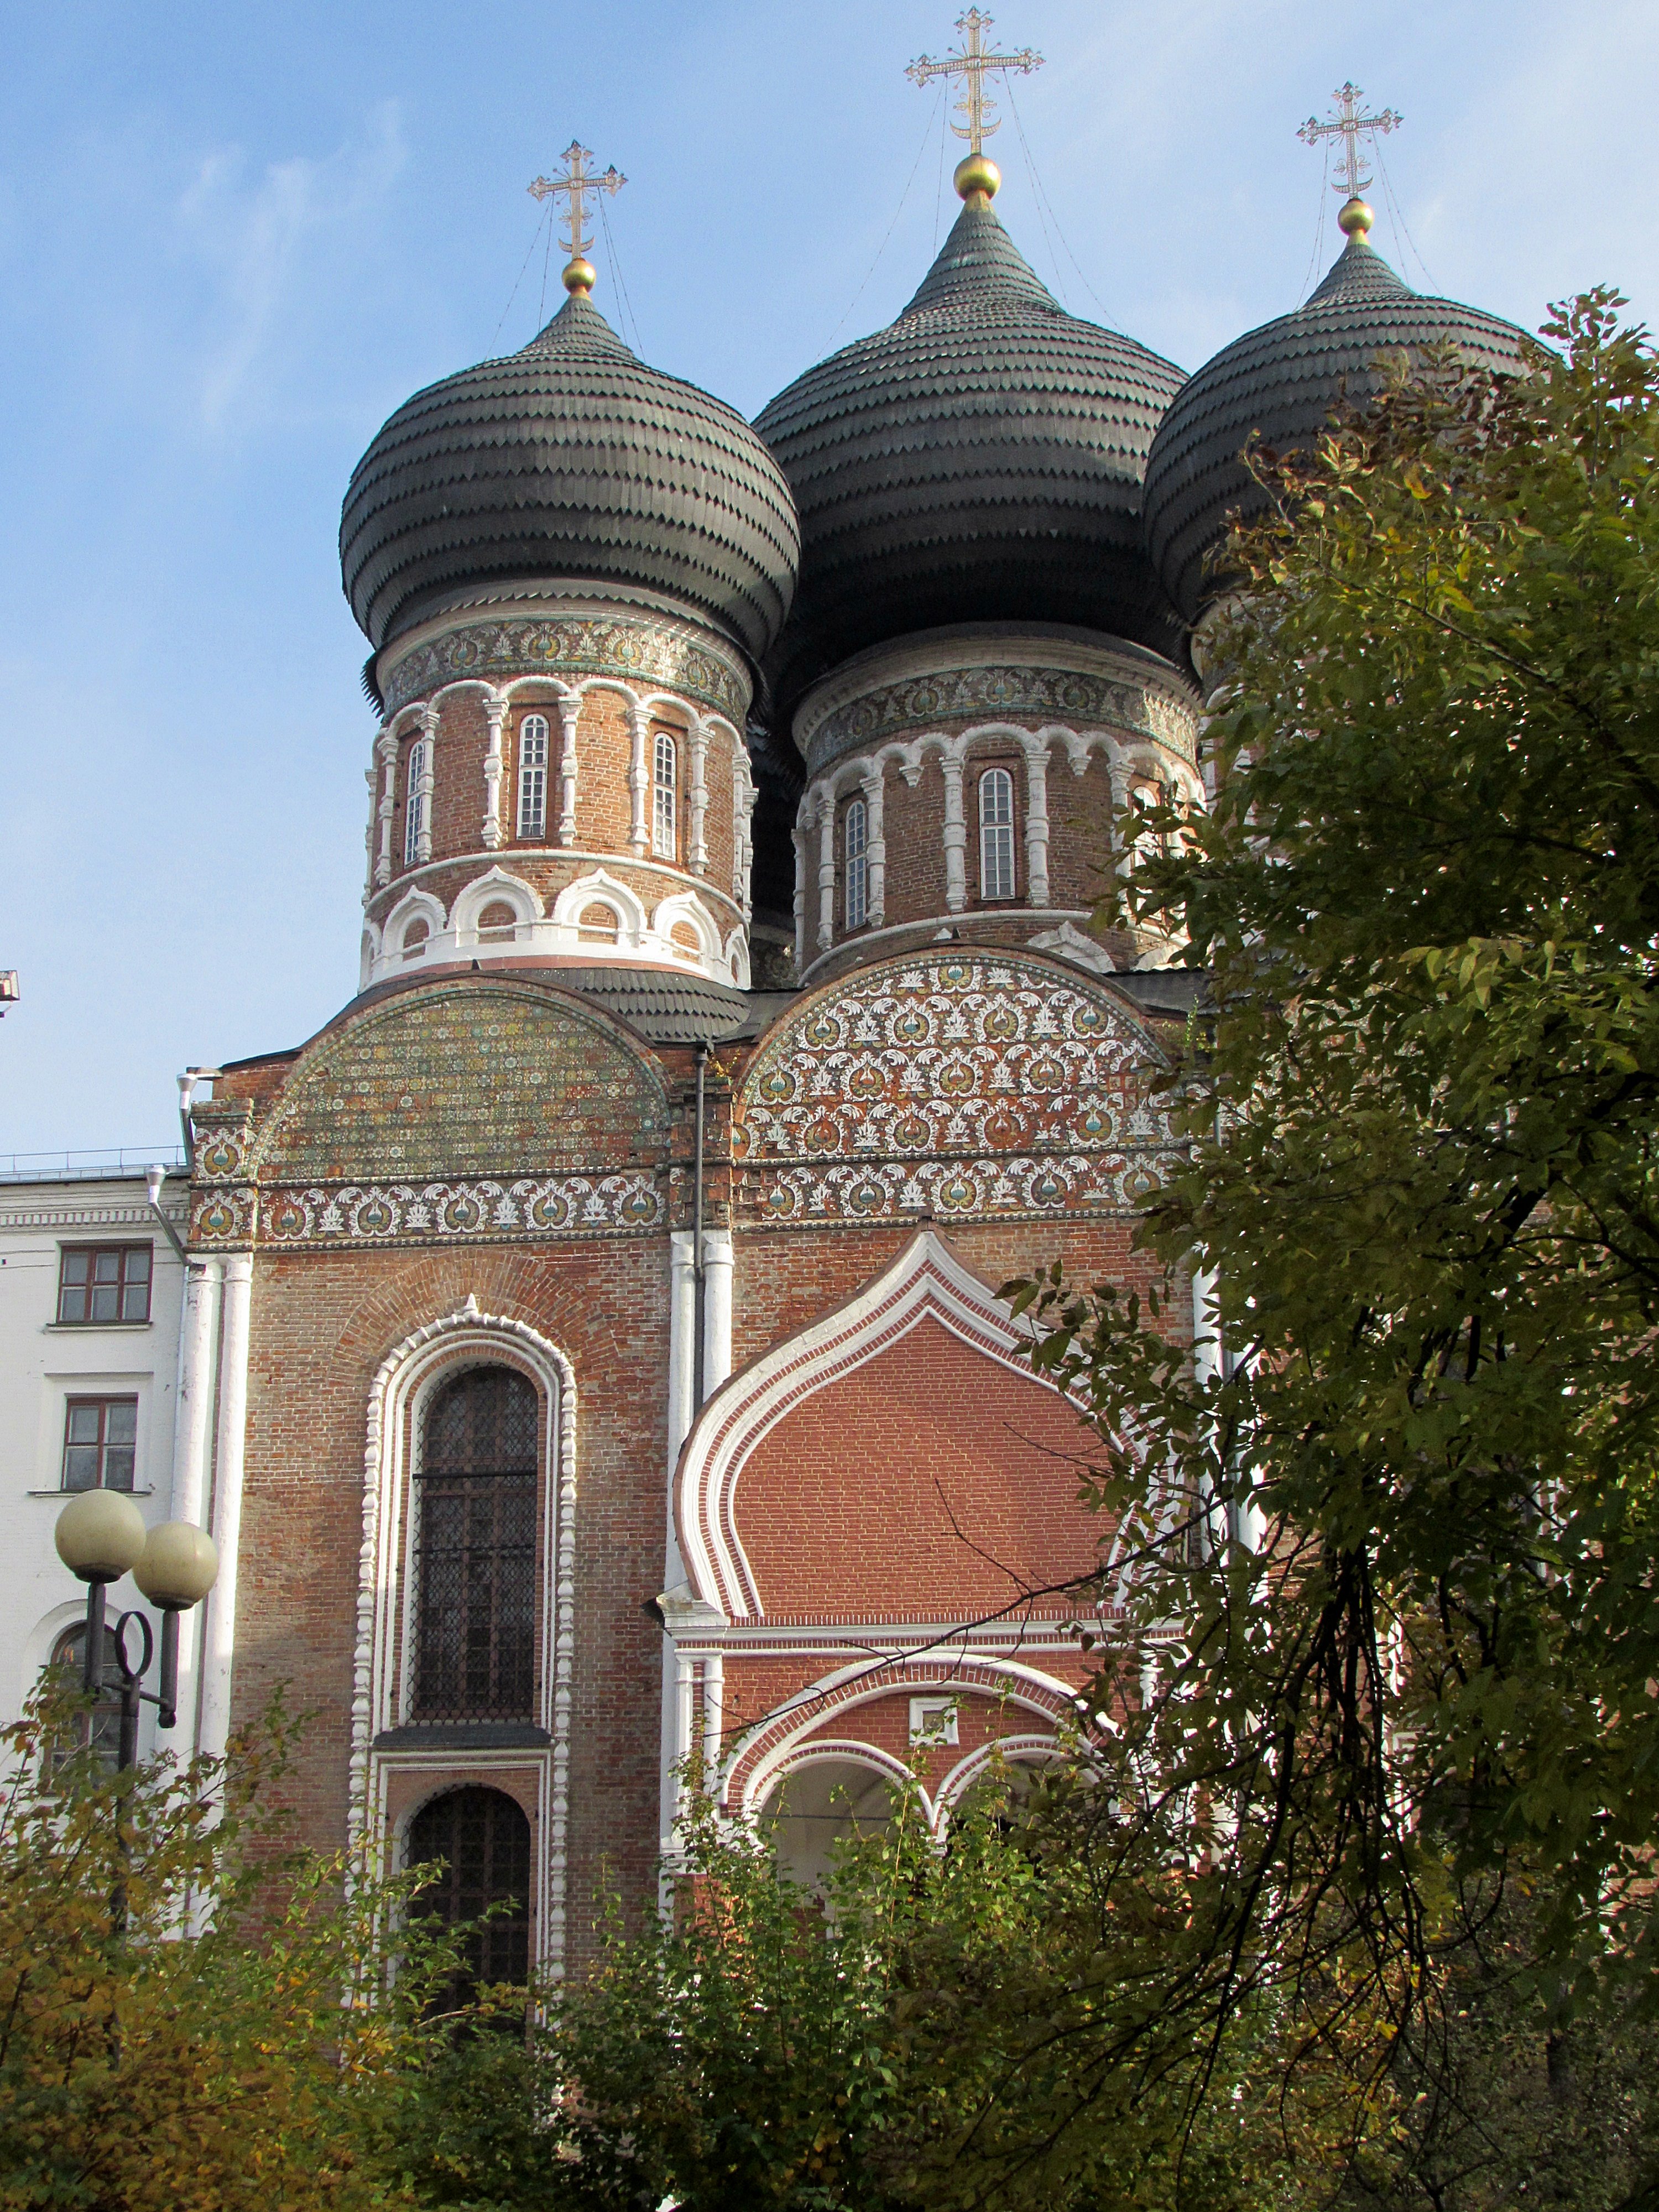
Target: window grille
{"type": "Point", "coordinates": [475, 1565]}
{"type": "Point", "coordinates": [103, 1283]}
{"type": "Point", "coordinates": [856, 840]}
{"type": "Point", "coordinates": [996, 835]}
{"type": "Point", "coordinates": [483, 1839]}
{"type": "Point", "coordinates": [532, 776]}
{"type": "Point", "coordinates": [414, 802]}
{"type": "Point", "coordinates": [663, 811]}
{"type": "Point", "coordinates": [101, 1437]}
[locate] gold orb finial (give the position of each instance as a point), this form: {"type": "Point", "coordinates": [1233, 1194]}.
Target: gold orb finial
{"type": "Point", "coordinates": [1355, 217]}
{"type": "Point", "coordinates": [978, 176]}
{"type": "Point", "coordinates": [579, 275]}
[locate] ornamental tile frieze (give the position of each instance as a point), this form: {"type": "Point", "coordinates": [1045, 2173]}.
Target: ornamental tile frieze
{"type": "Point", "coordinates": [469, 1210]}
{"type": "Point", "coordinates": [961, 1086]}
{"type": "Point", "coordinates": [1002, 692]}
{"type": "Point", "coordinates": [640, 652]}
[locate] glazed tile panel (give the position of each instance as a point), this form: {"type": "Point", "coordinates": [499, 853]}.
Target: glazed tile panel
{"type": "Point", "coordinates": [987, 1086]}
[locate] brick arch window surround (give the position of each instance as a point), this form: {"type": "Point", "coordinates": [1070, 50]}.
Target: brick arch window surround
{"type": "Point", "coordinates": [482, 1838]}
{"type": "Point", "coordinates": [474, 1549]}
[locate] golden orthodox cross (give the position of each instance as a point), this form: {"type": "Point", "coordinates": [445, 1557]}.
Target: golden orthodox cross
{"type": "Point", "coordinates": [574, 186]}
{"type": "Point", "coordinates": [1350, 125]}
{"type": "Point", "coordinates": [973, 65]}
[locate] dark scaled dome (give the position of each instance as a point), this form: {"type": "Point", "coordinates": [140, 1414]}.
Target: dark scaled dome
{"type": "Point", "coordinates": [1284, 380]}
{"type": "Point", "coordinates": [572, 461]}
{"type": "Point", "coordinates": [980, 459]}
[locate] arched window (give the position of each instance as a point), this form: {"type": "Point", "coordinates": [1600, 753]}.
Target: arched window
{"type": "Point", "coordinates": [414, 802]}
{"type": "Point", "coordinates": [996, 835]}
{"type": "Point", "coordinates": [855, 842]}
{"type": "Point", "coordinates": [663, 788]}
{"type": "Point", "coordinates": [100, 1731]}
{"type": "Point", "coordinates": [475, 1550]}
{"type": "Point", "coordinates": [483, 1839]}
{"type": "Point", "coordinates": [533, 777]}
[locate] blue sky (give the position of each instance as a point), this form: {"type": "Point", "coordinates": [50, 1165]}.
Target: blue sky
{"type": "Point", "coordinates": [232, 240]}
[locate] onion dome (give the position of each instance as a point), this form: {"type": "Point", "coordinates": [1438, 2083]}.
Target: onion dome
{"type": "Point", "coordinates": [571, 461]}
{"type": "Point", "coordinates": [980, 459]}
{"type": "Point", "coordinates": [1284, 380]}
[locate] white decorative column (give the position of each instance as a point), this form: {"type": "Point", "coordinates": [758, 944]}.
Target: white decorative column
{"type": "Point", "coordinates": [698, 856]}
{"type": "Point", "coordinates": [495, 715]}
{"type": "Point", "coordinates": [681, 1352]}
{"type": "Point", "coordinates": [370, 834]}
{"type": "Point", "coordinates": [875, 847]}
{"type": "Point", "coordinates": [569, 714]}
{"type": "Point", "coordinates": [684, 1721]}
{"type": "Point", "coordinates": [1037, 825]}
{"type": "Point", "coordinates": [743, 795]}
{"type": "Point", "coordinates": [956, 834]}
{"type": "Point", "coordinates": [638, 777]}
{"type": "Point", "coordinates": [713, 1701]}
{"type": "Point", "coordinates": [429, 782]}
{"type": "Point", "coordinates": [191, 1431]}
{"type": "Point", "coordinates": [716, 1308]}
{"type": "Point", "coordinates": [798, 838]}
{"type": "Point", "coordinates": [219, 1636]}
{"type": "Point", "coordinates": [386, 746]}
{"type": "Point", "coordinates": [826, 870]}
{"type": "Point", "coordinates": [1122, 845]}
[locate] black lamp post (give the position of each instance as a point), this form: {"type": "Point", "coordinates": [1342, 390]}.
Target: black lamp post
{"type": "Point", "coordinates": [100, 1537]}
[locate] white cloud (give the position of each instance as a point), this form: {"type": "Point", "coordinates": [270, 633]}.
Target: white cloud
{"type": "Point", "coordinates": [259, 241]}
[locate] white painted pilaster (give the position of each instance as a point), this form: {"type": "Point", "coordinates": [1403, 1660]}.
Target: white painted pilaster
{"type": "Point", "coordinates": [714, 1702]}
{"type": "Point", "coordinates": [428, 783]}
{"type": "Point", "coordinates": [799, 837]}
{"type": "Point", "coordinates": [495, 715]}
{"type": "Point", "coordinates": [192, 1440]}
{"type": "Point", "coordinates": [873, 787]}
{"type": "Point", "coordinates": [699, 798]}
{"type": "Point", "coordinates": [826, 870]}
{"type": "Point", "coordinates": [569, 714]}
{"type": "Point", "coordinates": [387, 747]}
{"type": "Point", "coordinates": [1036, 826]}
{"type": "Point", "coordinates": [954, 837]}
{"type": "Point", "coordinates": [639, 778]}
{"type": "Point", "coordinates": [219, 1636]}
{"type": "Point", "coordinates": [716, 1308]}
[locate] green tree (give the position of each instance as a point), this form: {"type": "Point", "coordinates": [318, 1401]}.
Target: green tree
{"type": "Point", "coordinates": [1422, 1117]}
{"type": "Point", "coordinates": [190, 2016]}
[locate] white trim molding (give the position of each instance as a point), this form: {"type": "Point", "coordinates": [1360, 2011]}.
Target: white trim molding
{"type": "Point", "coordinates": [401, 1383]}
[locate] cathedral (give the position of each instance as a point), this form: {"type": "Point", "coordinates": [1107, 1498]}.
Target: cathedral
{"type": "Point", "coordinates": [592, 1363]}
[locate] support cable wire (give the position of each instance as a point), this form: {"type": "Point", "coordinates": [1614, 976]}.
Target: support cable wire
{"type": "Point", "coordinates": [927, 140]}
{"type": "Point", "coordinates": [1037, 197]}
{"type": "Point", "coordinates": [519, 279]}
{"type": "Point", "coordinates": [547, 263]}
{"type": "Point", "coordinates": [1312, 277]}
{"type": "Point", "coordinates": [623, 300]}
{"type": "Point", "coordinates": [1105, 313]}
{"type": "Point", "coordinates": [1397, 219]}
{"type": "Point", "coordinates": [938, 197]}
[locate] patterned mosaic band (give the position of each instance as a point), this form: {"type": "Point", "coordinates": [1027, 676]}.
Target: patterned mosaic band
{"type": "Point", "coordinates": [461, 1210]}
{"type": "Point", "coordinates": [639, 651]}
{"type": "Point", "coordinates": [997, 692]}
{"type": "Point", "coordinates": [963, 1189]}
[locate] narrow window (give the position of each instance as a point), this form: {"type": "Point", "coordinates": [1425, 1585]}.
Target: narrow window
{"type": "Point", "coordinates": [101, 1436]}
{"type": "Point", "coordinates": [996, 835]}
{"type": "Point", "coordinates": [474, 1566]}
{"type": "Point", "coordinates": [103, 1283]}
{"type": "Point", "coordinates": [533, 777]}
{"type": "Point", "coordinates": [482, 1839]}
{"type": "Point", "coordinates": [414, 803]}
{"type": "Point", "coordinates": [662, 797]}
{"type": "Point", "coordinates": [855, 835]}
{"type": "Point", "coordinates": [99, 1730]}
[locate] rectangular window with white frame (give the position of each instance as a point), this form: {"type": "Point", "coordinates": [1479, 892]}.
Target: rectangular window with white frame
{"type": "Point", "coordinates": [855, 845]}
{"type": "Point", "coordinates": [414, 802]}
{"type": "Point", "coordinates": [996, 833]}
{"type": "Point", "coordinates": [100, 1442]}
{"type": "Point", "coordinates": [665, 795]}
{"type": "Point", "coordinates": [532, 778]}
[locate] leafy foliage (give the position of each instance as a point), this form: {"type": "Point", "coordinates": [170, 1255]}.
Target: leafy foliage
{"type": "Point", "coordinates": [1422, 1181]}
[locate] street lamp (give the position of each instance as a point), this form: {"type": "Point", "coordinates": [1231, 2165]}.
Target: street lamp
{"type": "Point", "coordinates": [100, 1537]}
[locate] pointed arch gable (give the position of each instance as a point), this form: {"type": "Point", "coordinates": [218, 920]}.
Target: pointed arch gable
{"type": "Point", "coordinates": [926, 1331]}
